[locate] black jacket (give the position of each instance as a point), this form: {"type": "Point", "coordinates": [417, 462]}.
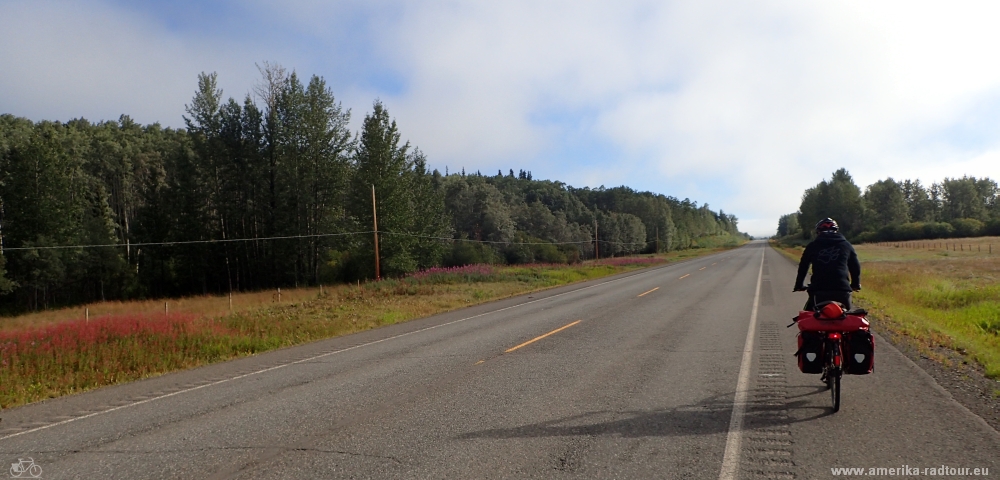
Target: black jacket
{"type": "Point", "coordinates": [832, 258]}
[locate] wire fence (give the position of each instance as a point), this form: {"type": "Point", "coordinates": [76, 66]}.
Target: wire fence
{"type": "Point", "coordinates": [948, 246]}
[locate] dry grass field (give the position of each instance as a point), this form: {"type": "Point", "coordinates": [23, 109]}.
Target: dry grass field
{"type": "Point", "coordinates": [204, 305]}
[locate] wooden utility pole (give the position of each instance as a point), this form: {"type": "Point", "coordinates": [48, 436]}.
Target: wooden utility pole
{"type": "Point", "coordinates": [597, 248]}
{"type": "Point", "coordinates": [375, 225]}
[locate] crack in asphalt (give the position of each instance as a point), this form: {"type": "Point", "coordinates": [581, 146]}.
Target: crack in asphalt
{"type": "Point", "coordinates": [353, 454]}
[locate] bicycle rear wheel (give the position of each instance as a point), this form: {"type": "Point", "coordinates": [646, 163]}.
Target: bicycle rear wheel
{"type": "Point", "coordinates": [833, 383]}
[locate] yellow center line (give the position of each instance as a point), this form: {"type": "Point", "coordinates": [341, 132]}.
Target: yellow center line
{"type": "Point", "coordinates": [533, 340]}
{"type": "Point", "coordinates": [714, 263]}
{"type": "Point", "coordinates": [702, 268]}
{"type": "Point", "coordinates": [651, 291]}
{"type": "Point", "coordinates": [688, 275]}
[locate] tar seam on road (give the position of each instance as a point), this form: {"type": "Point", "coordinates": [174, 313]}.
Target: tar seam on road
{"type": "Point", "coordinates": [651, 291]}
{"type": "Point", "coordinates": [533, 340]}
{"type": "Point", "coordinates": [731, 459]}
{"type": "Point", "coordinates": [685, 276]}
{"type": "Point", "coordinates": [304, 360]}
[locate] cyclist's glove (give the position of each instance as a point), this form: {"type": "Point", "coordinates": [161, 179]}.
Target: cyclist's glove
{"type": "Point", "coordinates": [856, 287]}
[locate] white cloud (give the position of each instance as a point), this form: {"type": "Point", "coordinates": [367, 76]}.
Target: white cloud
{"type": "Point", "coordinates": [760, 95]}
{"type": "Point", "coordinates": [741, 105]}
{"type": "Point", "coordinates": [65, 60]}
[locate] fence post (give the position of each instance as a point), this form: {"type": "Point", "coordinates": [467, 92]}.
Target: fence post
{"type": "Point", "coordinates": [166, 309]}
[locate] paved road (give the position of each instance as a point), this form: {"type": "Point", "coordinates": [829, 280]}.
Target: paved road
{"type": "Point", "coordinates": [638, 380]}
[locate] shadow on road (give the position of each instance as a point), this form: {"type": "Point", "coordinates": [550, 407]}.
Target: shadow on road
{"type": "Point", "coordinates": [710, 416]}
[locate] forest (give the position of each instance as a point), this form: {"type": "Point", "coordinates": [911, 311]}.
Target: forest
{"type": "Point", "coordinates": [274, 191]}
{"type": "Point", "coordinates": [890, 210]}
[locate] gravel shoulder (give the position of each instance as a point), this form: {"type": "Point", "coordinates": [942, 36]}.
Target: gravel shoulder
{"type": "Point", "coordinates": [964, 380]}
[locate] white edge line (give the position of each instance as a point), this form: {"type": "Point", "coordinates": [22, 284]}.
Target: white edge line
{"type": "Point", "coordinates": [102, 412]}
{"type": "Point", "coordinates": [731, 459]}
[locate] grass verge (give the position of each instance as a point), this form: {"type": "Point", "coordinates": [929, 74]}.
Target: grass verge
{"type": "Point", "coordinates": [57, 353]}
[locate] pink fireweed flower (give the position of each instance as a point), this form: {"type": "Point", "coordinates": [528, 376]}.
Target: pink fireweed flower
{"type": "Point", "coordinates": [77, 337]}
{"type": "Point", "coordinates": [465, 271]}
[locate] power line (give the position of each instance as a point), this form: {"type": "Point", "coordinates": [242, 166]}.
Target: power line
{"type": "Point", "coordinates": [318, 235]}
{"type": "Point", "coordinates": [189, 242]}
{"type": "Point", "coordinates": [513, 243]}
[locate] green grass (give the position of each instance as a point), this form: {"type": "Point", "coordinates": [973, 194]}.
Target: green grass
{"type": "Point", "coordinates": [937, 308]}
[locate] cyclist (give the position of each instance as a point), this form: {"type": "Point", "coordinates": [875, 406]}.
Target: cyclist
{"type": "Point", "coordinates": [836, 271]}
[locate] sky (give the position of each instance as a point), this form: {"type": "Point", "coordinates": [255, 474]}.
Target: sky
{"type": "Point", "coordinates": [740, 105]}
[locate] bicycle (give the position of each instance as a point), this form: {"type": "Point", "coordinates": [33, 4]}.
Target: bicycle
{"type": "Point", "coordinates": [831, 324]}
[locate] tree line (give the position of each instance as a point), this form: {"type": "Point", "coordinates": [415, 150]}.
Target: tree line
{"type": "Point", "coordinates": [890, 210]}
{"type": "Point", "coordinates": [275, 190]}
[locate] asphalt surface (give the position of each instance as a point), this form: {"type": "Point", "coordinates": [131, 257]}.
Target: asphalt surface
{"type": "Point", "coordinates": [633, 377]}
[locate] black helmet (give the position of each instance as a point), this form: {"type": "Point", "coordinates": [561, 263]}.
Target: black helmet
{"type": "Point", "coordinates": [827, 225]}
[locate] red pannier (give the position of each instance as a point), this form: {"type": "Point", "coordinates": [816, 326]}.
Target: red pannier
{"type": "Point", "coordinates": [808, 322]}
{"type": "Point", "coordinates": [810, 352]}
{"type": "Point", "coordinates": [858, 342]}
{"type": "Point", "coordinates": [859, 352]}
